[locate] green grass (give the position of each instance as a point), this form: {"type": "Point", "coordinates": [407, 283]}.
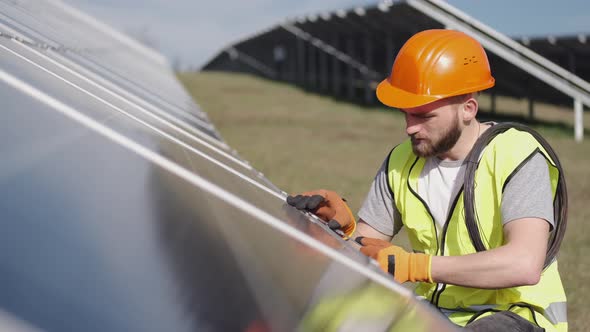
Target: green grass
{"type": "Point", "coordinates": [304, 141]}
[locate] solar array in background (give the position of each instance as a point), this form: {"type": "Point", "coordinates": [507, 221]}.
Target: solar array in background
{"type": "Point", "coordinates": [121, 209]}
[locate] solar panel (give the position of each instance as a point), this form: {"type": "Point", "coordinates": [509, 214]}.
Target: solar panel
{"type": "Point", "coordinates": [123, 210]}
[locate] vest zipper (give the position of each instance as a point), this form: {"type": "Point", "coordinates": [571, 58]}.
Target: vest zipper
{"type": "Point", "coordinates": [443, 238]}
{"type": "Point", "coordinates": [440, 246]}
{"type": "Point", "coordinates": [423, 203]}
{"type": "Point", "coordinates": [431, 218]}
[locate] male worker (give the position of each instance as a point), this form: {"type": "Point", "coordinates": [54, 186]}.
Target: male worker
{"type": "Point", "coordinates": [505, 286]}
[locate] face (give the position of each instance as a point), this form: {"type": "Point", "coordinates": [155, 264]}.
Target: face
{"type": "Point", "coordinates": [433, 128]}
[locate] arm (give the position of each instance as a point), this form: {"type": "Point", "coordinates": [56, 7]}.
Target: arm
{"type": "Point", "coordinates": [378, 207]}
{"type": "Point", "coordinates": [519, 262]}
{"type": "Point", "coordinates": [365, 230]}
{"type": "Point", "coordinates": [378, 216]}
{"type": "Point", "coordinates": [527, 213]}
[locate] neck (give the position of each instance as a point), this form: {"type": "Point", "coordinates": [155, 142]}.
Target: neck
{"type": "Point", "coordinates": [465, 142]}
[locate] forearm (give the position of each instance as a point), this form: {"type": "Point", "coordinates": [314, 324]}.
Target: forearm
{"type": "Point", "coordinates": [503, 267]}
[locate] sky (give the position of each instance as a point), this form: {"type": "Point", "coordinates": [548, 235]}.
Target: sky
{"type": "Point", "coordinates": [191, 32]}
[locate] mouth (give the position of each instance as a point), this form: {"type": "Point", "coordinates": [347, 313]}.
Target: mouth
{"type": "Point", "coordinates": [417, 140]}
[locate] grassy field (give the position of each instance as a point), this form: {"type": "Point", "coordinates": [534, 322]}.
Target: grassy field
{"type": "Point", "coordinates": [303, 141]}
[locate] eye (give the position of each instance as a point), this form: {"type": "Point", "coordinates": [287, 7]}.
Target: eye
{"type": "Point", "coordinates": [426, 116]}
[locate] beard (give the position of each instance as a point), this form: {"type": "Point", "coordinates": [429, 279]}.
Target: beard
{"type": "Point", "coordinates": [427, 148]}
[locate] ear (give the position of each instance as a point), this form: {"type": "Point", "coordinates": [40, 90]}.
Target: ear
{"type": "Point", "coordinates": [470, 107]}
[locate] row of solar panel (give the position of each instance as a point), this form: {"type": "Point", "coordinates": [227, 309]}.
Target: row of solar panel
{"type": "Point", "coordinates": [122, 210]}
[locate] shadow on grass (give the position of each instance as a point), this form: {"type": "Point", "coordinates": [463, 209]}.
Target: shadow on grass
{"type": "Point", "coordinates": [557, 127]}
{"type": "Point", "coordinates": [560, 128]}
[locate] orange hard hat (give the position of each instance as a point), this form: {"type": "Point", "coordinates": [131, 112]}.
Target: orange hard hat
{"type": "Point", "coordinates": [435, 64]}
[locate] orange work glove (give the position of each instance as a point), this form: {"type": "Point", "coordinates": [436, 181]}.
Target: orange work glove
{"type": "Point", "coordinates": [329, 207]}
{"type": "Point", "coordinates": [404, 266]}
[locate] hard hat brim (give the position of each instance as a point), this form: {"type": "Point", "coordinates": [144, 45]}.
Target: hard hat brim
{"type": "Point", "coordinates": [392, 96]}
{"type": "Point", "coordinates": [398, 98]}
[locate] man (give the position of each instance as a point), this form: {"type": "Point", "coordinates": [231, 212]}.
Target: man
{"type": "Point", "coordinates": [434, 81]}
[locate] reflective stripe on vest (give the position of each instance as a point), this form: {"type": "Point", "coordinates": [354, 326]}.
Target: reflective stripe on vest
{"type": "Point", "coordinates": [556, 312]}
{"type": "Point", "coordinates": [501, 158]}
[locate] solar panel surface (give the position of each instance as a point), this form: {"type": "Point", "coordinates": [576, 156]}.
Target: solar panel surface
{"type": "Point", "coordinates": [123, 210]}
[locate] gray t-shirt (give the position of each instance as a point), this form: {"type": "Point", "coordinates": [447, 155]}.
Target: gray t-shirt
{"type": "Point", "coordinates": [527, 194]}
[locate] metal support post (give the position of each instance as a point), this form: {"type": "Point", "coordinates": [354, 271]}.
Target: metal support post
{"type": "Point", "coordinates": [578, 120]}
{"type": "Point", "coordinates": [493, 102]}
{"type": "Point", "coordinates": [312, 68]}
{"type": "Point", "coordinates": [323, 71]}
{"type": "Point", "coordinates": [389, 53]}
{"type": "Point", "coordinates": [335, 70]}
{"type": "Point", "coordinates": [350, 77]}
{"type": "Point", "coordinates": [531, 108]}
{"type": "Point", "coordinates": [301, 61]}
{"type": "Point", "coordinates": [369, 63]}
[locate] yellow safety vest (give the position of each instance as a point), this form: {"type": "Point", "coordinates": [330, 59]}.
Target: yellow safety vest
{"type": "Point", "coordinates": [543, 303]}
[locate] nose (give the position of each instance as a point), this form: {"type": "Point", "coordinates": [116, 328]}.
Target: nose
{"type": "Point", "coordinates": [412, 124]}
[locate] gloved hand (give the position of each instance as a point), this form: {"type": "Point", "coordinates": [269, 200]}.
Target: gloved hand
{"type": "Point", "coordinates": [404, 266]}
{"type": "Point", "coordinates": [329, 207]}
